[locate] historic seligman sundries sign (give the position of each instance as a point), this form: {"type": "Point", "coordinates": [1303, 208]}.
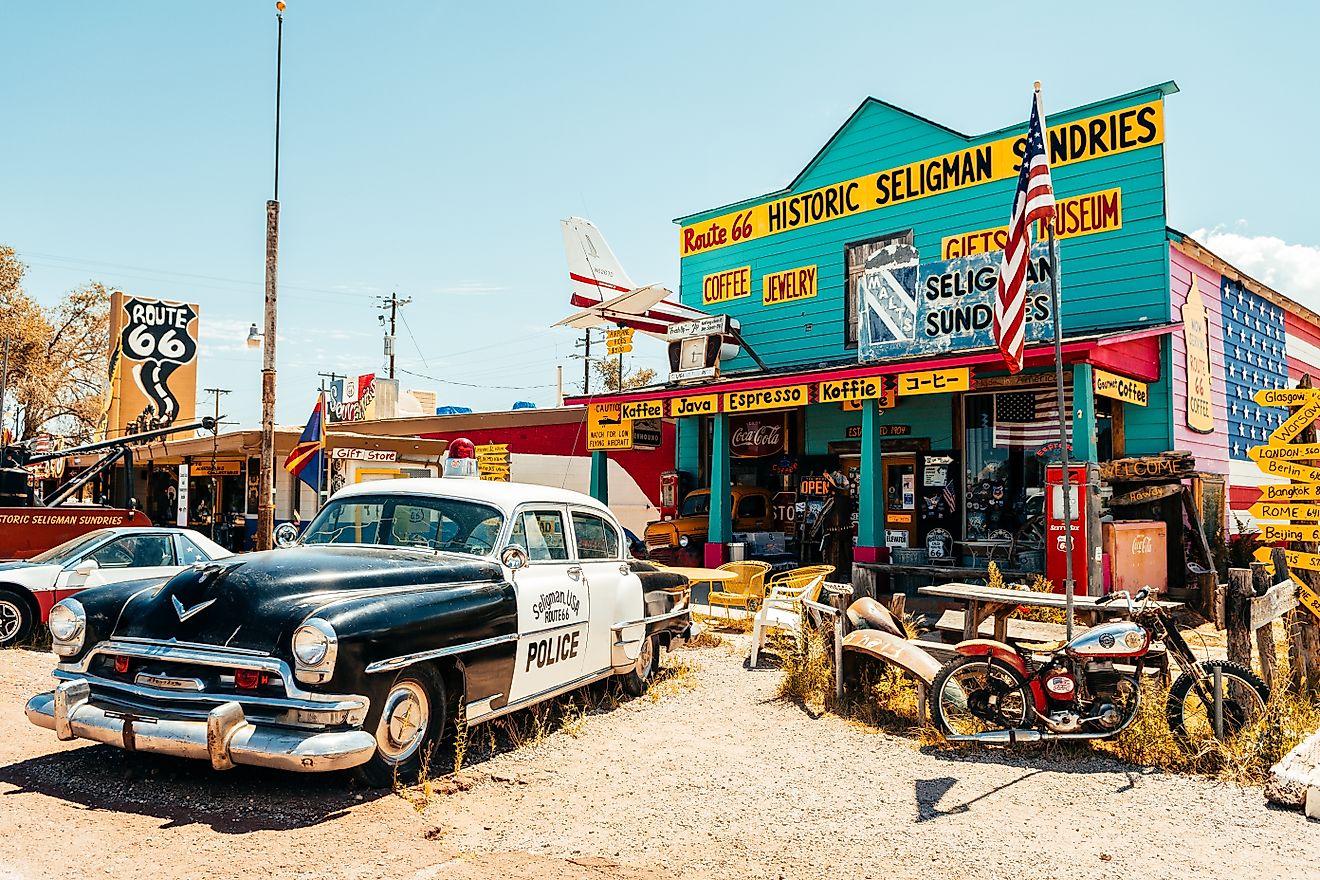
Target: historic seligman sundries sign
{"type": "Point", "coordinates": [908, 308]}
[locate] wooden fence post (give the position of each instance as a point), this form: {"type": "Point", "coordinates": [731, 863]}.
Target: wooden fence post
{"type": "Point", "coordinates": [1262, 580]}
{"type": "Point", "coordinates": [1237, 615]}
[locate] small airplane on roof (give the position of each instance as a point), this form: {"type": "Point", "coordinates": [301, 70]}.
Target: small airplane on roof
{"type": "Point", "coordinates": [605, 294]}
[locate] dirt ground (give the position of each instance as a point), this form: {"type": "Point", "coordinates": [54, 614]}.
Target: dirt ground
{"type": "Point", "coordinates": [722, 780]}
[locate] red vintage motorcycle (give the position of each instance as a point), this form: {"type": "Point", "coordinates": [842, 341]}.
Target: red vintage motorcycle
{"type": "Point", "coordinates": [1089, 688]}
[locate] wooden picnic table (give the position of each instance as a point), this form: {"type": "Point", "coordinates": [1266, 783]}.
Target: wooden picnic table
{"type": "Point", "coordinates": [999, 602]}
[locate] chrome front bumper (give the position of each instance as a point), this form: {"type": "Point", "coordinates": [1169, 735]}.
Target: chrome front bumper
{"type": "Point", "coordinates": [225, 738]}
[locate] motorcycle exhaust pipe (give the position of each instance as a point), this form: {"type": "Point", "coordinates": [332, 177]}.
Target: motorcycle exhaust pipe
{"type": "Point", "coordinates": [1000, 737]}
{"type": "Point", "coordinates": [1020, 737]}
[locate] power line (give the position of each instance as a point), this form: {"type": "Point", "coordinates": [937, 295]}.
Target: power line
{"type": "Point", "coordinates": [472, 385]}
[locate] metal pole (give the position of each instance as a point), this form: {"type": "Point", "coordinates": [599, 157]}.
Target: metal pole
{"type": "Point", "coordinates": [1065, 415]}
{"type": "Point", "coordinates": [4, 386]}
{"type": "Point", "coordinates": [265, 537]}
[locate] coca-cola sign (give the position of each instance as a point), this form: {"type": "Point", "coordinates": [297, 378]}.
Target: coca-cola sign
{"type": "Point", "coordinates": [756, 436]}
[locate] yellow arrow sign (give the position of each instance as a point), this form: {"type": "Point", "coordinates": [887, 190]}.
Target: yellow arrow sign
{"type": "Point", "coordinates": [1287, 512]}
{"type": "Point", "coordinates": [1289, 492]}
{"type": "Point", "coordinates": [1289, 451]}
{"type": "Point", "coordinates": [1285, 396]}
{"type": "Point", "coordinates": [1308, 598]}
{"type": "Point", "coordinates": [1296, 558]}
{"type": "Point", "coordinates": [1297, 422]}
{"type": "Point", "coordinates": [1271, 532]}
{"type": "Point", "coordinates": [1302, 473]}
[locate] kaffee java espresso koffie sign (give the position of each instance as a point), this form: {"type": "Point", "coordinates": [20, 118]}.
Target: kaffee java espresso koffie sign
{"type": "Point", "coordinates": [945, 306]}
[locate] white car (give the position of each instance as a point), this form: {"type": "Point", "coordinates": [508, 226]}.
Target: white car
{"type": "Point", "coordinates": [30, 587]}
{"type": "Point", "coordinates": [354, 648]}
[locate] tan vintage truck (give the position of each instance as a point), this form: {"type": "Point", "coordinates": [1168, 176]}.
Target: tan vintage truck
{"type": "Point", "coordinates": [681, 540]}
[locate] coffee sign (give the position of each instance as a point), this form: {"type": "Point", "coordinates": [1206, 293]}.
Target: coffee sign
{"type": "Point", "coordinates": [757, 436]}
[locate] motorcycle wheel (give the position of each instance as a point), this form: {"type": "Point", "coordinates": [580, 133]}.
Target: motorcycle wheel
{"type": "Point", "coordinates": [1191, 716]}
{"type": "Point", "coordinates": [973, 695]}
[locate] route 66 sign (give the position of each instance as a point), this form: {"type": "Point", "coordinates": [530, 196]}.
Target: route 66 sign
{"type": "Point", "coordinates": [153, 361]}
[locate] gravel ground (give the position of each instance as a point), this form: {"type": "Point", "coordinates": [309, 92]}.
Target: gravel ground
{"type": "Point", "coordinates": [720, 781]}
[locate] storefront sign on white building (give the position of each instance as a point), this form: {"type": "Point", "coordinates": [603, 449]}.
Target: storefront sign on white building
{"type": "Point", "coordinates": [373, 455]}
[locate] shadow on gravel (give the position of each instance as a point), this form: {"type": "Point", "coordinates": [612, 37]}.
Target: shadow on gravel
{"type": "Point", "coordinates": [931, 791]}
{"type": "Point", "coordinates": [181, 792]}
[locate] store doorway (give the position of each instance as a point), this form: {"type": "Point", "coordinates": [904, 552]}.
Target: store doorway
{"type": "Point", "coordinates": [900, 488]}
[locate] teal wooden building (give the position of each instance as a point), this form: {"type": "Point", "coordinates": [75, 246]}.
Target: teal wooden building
{"type": "Point", "coordinates": [865, 287]}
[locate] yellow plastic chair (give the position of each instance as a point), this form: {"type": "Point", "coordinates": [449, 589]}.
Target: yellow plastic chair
{"type": "Point", "coordinates": [747, 592]}
{"type": "Point", "coordinates": [783, 606]}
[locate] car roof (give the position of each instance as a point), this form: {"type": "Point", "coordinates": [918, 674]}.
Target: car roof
{"type": "Point", "coordinates": [505, 496]}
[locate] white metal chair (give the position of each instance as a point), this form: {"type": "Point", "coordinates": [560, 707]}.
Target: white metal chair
{"type": "Point", "coordinates": [783, 609]}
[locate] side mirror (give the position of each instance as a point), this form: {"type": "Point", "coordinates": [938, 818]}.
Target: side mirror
{"type": "Point", "coordinates": [86, 567]}
{"type": "Point", "coordinates": [513, 557]}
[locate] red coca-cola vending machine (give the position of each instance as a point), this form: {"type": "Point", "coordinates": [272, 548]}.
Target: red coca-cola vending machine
{"type": "Point", "coordinates": [1084, 529]}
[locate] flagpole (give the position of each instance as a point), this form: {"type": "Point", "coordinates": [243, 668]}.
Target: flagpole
{"type": "Point", "coordinates": [1069, 584]}
{"type": "Point", "coordinates": [325, 449]}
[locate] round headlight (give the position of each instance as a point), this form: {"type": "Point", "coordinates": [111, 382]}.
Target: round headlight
{"type": "Point", "coordinates": [310, 644]}
{"type": "Point", "coordinates": [683, 541]}
{"type": "Point", "coordinates": [66, 620]}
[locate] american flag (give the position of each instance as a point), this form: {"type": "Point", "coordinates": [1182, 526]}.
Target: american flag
{"type": "Point", "coordinates": [1029, 418]}
{"type": "Point", "coordinates": [1034, 200]}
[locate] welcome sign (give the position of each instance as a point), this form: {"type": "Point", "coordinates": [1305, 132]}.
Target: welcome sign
{"type": "Point", "coordinates": [931, 308]}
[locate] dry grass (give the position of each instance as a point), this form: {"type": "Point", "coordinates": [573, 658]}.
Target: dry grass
{"type": "Point", "coordinates": [808, 667]}
{"type": "Point", "coordinates": [679, 676]}
{"type": "Point", "coordinates": [705, 638]}
{"type": "Point", "coordinates": [740, 624]}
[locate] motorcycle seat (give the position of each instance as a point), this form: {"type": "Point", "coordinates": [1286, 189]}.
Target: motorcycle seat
{"type": "Point", "coordinates": [1043, 647]}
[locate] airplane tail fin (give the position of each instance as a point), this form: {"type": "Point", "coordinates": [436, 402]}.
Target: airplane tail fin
{"type": "Point", "coordinates": [594, 270]}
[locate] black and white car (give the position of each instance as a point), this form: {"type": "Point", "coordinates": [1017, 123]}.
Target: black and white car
{"type": "Point", "coordinates": [29, 587]}
{"type": "Point", "coordinates": [353, 647]}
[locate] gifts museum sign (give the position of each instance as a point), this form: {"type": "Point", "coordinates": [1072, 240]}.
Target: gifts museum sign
{"type": "Point", "coordinates": [1106, 134]}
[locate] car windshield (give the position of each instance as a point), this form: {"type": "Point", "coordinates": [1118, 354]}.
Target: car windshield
{"type": "Point", "coordinates": [61, 553]}
{"type": "Point", "coordinates": [696, 505]}
{"type": "Point", "coordinates": [408, 521]}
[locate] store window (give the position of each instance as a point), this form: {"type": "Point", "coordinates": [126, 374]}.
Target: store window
{"type": "Point", "coordinates": [1009, 437]}
{"type": "Point", "coordinates": [869, 261]}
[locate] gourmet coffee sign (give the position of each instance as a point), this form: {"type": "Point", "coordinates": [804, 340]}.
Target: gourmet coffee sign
{"type": "Point", "coordinates": [757, 436]}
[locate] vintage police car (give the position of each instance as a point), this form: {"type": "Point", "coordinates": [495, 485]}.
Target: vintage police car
{"type": "Point", "coordinates": [353, 647]}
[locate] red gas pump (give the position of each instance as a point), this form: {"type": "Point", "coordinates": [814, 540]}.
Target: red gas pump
{"type": "Point", "coordinates": [672, 484]}
{"type": "Point", "coordinates": [1084, 529]}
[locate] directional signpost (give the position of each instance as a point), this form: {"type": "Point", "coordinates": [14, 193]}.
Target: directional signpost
{"type": "Point", "coordinates": [1294, 507]}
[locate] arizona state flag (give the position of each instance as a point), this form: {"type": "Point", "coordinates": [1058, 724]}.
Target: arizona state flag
{"type": "Point", "coordinates": [307, 461]}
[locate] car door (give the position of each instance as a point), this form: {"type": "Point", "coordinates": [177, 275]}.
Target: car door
{"type": "Point", "coordinates": [553, 603]}
{"type": "Point", "coordinates": [127, 557]}
{"type": "Point", "coordinates": [610, 582]}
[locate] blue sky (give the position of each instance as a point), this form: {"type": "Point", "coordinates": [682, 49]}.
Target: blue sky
{"type": "Point", "coordinates": [431, 148]}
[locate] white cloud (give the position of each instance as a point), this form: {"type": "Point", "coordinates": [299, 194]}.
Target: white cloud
{"type": "Point", "coordinates": [1291, 269]}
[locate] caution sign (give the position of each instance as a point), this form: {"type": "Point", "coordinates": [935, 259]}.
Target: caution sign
{"type": "Point", "coordinates": [493, 462]}
{"type": "Point", "coordinates": [606, 428]}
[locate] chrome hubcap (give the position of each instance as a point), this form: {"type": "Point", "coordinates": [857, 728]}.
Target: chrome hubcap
{"type": "Point", "coordinates": [403, 722]}
{"type": "Point", "coordinates": [11, 618]}
{"type": "Point", "coordinates": [645, 658]}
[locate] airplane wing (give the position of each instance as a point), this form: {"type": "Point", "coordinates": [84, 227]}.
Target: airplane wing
{"type": "Point", "coordinates": [630, 306]}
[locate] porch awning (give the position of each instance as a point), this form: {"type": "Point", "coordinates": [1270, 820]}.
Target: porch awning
{"type": "Point", "coordinates": [1134, 354]}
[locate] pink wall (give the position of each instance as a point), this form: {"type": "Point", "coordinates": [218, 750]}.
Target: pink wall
{"type": "Point", "coordinates": [1211, 450]}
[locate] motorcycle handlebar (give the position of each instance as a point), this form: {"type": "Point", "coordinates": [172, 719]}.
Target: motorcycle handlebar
{"type": "Point", "coordinates": [1110, 597]}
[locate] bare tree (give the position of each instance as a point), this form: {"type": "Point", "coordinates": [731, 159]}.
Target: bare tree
{"type": "Point", "coordinates": [57, 356]}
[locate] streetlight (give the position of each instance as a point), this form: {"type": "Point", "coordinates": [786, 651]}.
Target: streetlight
{"type": "Point", "coordinates": [265, 537]}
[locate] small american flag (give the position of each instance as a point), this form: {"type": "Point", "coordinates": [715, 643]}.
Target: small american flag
{"type": "Point", "coordinates": [1028, 418]}
{"type": "Point", "coordinates": [950, 497]}
{"type": "Point", "coordinates": [1034, 200]}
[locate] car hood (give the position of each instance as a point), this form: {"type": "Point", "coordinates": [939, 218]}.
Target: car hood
{"type": "Point", "coordinates": [29, 574]}
{"type": "Point", "coordinates": [255, 601]}
{"type": "Point", "coordinates": [686, 525]}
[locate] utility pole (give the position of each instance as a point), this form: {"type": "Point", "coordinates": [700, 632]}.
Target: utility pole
{"type": "Point", "coordinates": [585, 343]}
{"type": "Point", "coordinates": [265, 537]}
{"type": "Point", "coordinates": [216, 511]}
{"type": "Point", "coordinates": [324, 477]}
{"type": "Point", "coordinates": [392, 303]}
